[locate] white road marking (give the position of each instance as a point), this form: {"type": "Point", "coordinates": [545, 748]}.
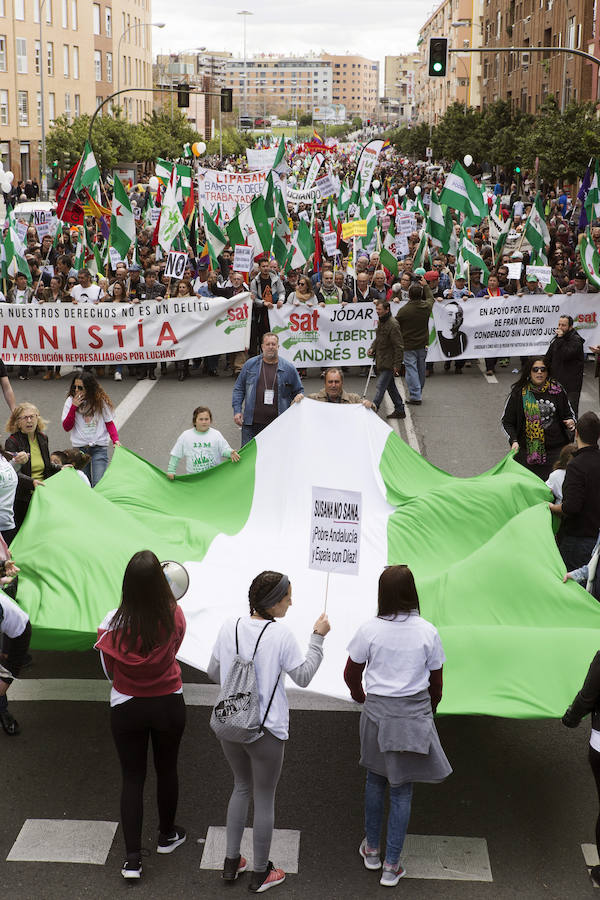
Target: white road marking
{"type": "Point", "coordinates": [63, 840]}
{"type": "Point", "coordinates": [590, 855]}
{"type": "Point", "coordinates": [491, 379]}
{"type": "Point", "coordinates": [132, 400]}
{"type": "Point", "coordinates": [285, 848]}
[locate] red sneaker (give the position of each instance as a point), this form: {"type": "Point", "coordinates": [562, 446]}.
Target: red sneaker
{"type": "Point", "coordinates": [262, 881]}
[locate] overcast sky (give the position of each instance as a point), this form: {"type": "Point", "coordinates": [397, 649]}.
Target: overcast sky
{"type": "Point", "coordinates": [373, 29]}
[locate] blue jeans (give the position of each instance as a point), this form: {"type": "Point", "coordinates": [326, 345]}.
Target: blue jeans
{"type": "Point", "coordinates": [398, 817]}
{"type": "Point", "coordinates": [575, 551]}
{"type": "Point", "coordinates": [385, 382]}
{"type": "Point", "coordinates": [414, 361]}
{"type": "Point", "coordinates": [250, 431]}
{"type": "Point", "coordinates": [98, 464]}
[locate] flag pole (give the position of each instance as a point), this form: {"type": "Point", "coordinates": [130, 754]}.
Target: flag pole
{"type": "Point", "coordinates": [368, 379]}
{"type": "Point", "coordinates": [326, 592]}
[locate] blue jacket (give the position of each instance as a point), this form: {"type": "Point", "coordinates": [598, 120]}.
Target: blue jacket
{"type": "Point", "coordinates": [244, 390]}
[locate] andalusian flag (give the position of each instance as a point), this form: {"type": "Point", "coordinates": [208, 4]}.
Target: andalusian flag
{"type": "Point", "coordinates": [536, 230]}
{"type": "Point", "coordinates": [592, 199]}
{"type": "Point", "coordinates": [282, 236]}
{"type": "Point", "coordinates": [438, 224]}
{"type": "Point", "coordinates": [163, 169]}
{"type": "Point", "coordinates": [251, 226]}
{"type": "Point", "coordinates": [279, 164]}
{"type": "Point", "coordinates": [369, 214]}
{"type": "Point", "coordinates": [88, 173]}
{"type": "Point", "coordinates": [171, 221]}
{"type": "Point", "coordinates": [14, 254]}
{"type": "Point", "coordinates": [303, 246]}
{"type": "Point", "coordinates": [122, 221]}
{"type": "Point", "coordinates": [387, 254]}
{"type": "Point", "coordinates": [471, 255]}
{"type": "Point", "coordinates": [421, 252]}
{"type": "Point", "coordinates": [215, 238]}
{"type": "Point", "coordinates": [226, 525]}
{"type": "Point", "coordinates": [460, 192]}
{"type": "Point", "coordinates": [345, 197]}
{"type": "Point", "coordinates": [502, 236]}
{"type": "Point", "coordinates": [590, 258]}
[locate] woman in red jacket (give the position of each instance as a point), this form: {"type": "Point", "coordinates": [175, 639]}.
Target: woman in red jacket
{"type": "Point", "coordinates": [138, 643]}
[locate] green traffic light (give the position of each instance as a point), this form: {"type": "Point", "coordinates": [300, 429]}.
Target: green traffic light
{"type": "Point", "coordinates": [437, 67]}
{"type": "Point", "coordinates": [518, 170]}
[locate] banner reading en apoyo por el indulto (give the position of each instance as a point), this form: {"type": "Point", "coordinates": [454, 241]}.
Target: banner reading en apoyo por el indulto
{"type": "Point", "coordinates": [326, 335]}
{"type": "Point", "coordinates": [105, 333]}
{"type": "Point", "coordinates": [509, 325]}
{"type": "Point", "coordinates": [228, 189]}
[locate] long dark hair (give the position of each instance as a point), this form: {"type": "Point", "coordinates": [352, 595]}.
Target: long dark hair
{"type": "Point", "coordinates": [146, 617]}
{"type": "Point", "coordinates": [95, 397]}
{"type": "Point", "coordinates": [523, 378]}
{"type": "Point", "coordinates": [397, 592]}
{"type": "Point", "coordinates": [260, 587]}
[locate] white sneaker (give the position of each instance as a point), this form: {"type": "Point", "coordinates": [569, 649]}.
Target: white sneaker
{"type": "Point", "coordinates": [118, 376]}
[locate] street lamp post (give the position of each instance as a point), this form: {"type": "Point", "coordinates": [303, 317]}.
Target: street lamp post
{"type": "Point", "coordinates": [128, 29]}
{"type": "Point", "coordinates": [44, 176]}
{"type": "Point", "coordinates": [245, 13]}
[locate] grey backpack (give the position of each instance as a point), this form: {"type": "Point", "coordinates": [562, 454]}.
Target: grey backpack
{"type": "Point", "coordinates": [236, 714]}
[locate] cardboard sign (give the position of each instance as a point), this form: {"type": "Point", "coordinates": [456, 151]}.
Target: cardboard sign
{"type": "Point", "coordinates": [154, 214]}
{"type": "Point", "coordinates": [330, 243]}
{"type": "Point", "coordinates": [39, 217]}
{"type": "Point", "coordinates": [176, 263]}
{"type": "Point", "coordinates": [542, 273]}
{"type": "Point", "coordinates": [243, 258]}
{"type": "Point", "coordinates": [335, 530]}
{"type": "Point", "coordinates": [355, 228]}
{"type": "Point", "coordinates": [514, 270]}
{"type": "Point", "coordinates": [326, 186]}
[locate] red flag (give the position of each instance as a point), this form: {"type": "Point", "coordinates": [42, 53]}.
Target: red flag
{"type": "Point", "coordinates": [188, 207]}
{"type": "Point", "coordinates": [68, 207]}
{"type": "Point", "coordinates": [318, 251]}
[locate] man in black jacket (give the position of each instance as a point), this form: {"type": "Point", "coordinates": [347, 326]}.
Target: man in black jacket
{"type": "Point", "coordinates": [565, 359]}
{"type": "Point", "coordinates": [580, 505]}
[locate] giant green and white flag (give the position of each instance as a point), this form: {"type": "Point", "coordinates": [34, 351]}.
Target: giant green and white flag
{"type": "Point", "coordinates": [251, 226]}
{"type": "Point", "coordinates": [122, 221]}
{"type": "Point", "coordinates": [460, 192]}
{"type": "Point", "coordinates": [88, 173]}
{"type": "Point", "coordinates": [505, 657]}
{"type": "Point", "coordinates": [590, 258]}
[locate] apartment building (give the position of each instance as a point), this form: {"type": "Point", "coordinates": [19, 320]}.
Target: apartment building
{"type": "Point", "coordinates": [400, 75]}
{"type": "Point", "coordinates": [526, 79]}
{"type": "Point", "coordinates": [461, 22]}
{"type": "Point", "coordinates": [269, 84]}
{"type": "Point", "coordinates": [205, 72]}
{"type": "Point", "coordinates": [355, 84]}
{"type": "Point", "coordinates": [64, 53]}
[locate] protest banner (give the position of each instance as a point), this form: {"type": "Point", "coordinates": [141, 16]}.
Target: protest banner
{"type": "Point", "coordinates": [110, 333]}
{"type": "Point", "coordinates": [227, 190]}
{"type": "Point", "coordinates": [366, 165]}
{"type": "Point", "coordinates": [302, 195]}
{"type": "Point", "coordinates": [261, 159]}
{"type": "Point", "coordinates": [243, 258]}
{"type": "Point", "coordinates": [335, 531]}
{"type": "Point", "coordinates": [175, 266]}
{"type": "Point", "coordinates": [354, 228]}
{"type": "Point", "coordinates": [508, 325]}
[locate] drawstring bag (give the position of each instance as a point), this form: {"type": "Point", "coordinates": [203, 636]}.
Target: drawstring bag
{"type": "Point", "coordinates": [236, 714]}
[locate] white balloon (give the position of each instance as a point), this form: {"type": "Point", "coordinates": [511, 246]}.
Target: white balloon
{"type": "Point", "coordinates": [1, 166]}
{"type": "Point", "coordinates": [153, 183]}
{"type": "Point", "coordinates": [468, 160]}
{"type": "Point", "coordinates": [201, 147]}
{"type": "Point", "coordinates": [376, 184]}
{"type": "Point", "coordinates": [9, 176]}
{"type": "Point", "coordinates": [5, 186]}
{"type": "Point", "coordinates": [230, 168]}
{"type": "Point", "coordinates": [402, 192]}
{"type": "Point", "coordinates": [417, 190]}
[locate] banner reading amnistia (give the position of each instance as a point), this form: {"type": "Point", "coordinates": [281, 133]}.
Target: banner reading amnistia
{"type": "Point", "coordinates": [104, 333]}
{"type": "Point", "coordinates": [508, 325]}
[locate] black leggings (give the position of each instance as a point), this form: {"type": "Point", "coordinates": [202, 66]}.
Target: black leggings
{"type": "Point", "coordinates": [163, 720]}
{"type": "Point", "coordinates": [594, 758]}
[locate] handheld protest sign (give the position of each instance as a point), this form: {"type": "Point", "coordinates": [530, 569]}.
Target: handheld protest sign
{"type": "Point", "coordinates": [335, 530]}
{"type": "Point", "coordinates": [177, 576]}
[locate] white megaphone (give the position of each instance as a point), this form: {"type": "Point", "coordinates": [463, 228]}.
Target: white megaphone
{"type": "Point", "coordinates": [177, 577]}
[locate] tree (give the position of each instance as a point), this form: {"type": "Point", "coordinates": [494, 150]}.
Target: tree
{"type": "Point", "coordinates": [161, 134]}
{"type": "Point", "coordinates": [112, 141]}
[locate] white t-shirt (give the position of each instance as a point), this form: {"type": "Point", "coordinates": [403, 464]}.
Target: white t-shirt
{"type": "Point", "coordinates": [555, 482]}
{"type": "Point", "coordinates": [14, 621]}
{"type": "Point", "coordinates": [89, 429]}
{"type": "Point", "coordinates": [21, 296]}
{"type": "Point", "coordinates": [89, 294]}
{"type": "Point", "coordinates": [399, 652]}
{"type": "Point", "coordinates": [8, 488]}
{"type": "Point", "coordinates": [202, 449]}
{"type": "Point", "coordinates": [278, 650]}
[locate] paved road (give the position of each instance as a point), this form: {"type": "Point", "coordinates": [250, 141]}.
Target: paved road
{"type": "Point", "coordinates": [523, 786]}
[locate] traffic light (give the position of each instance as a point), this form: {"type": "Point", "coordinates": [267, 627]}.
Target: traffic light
{"type": "Point", "coordinates": [183, 95]}
{"type": "Point", "coordinates": [517, 170]}
{"type": "Point", "coordinates": [226, 100]}
{"type": "Point", "coordinates": [438, 57]}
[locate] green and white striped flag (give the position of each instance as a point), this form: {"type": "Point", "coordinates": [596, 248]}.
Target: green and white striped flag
{"type": "Point", "coordinates": [279, 164]}
{"type": "Point", "coordinates": [540, 259]}
{"type": "Point", "coordinates": [303, 246]}
{"type": "Point", "coordinates": [387, 255]}
{"type": "Point", "coordinates": [471, 255]}
{"type": "Point", "coordinates": [282, 237]}
{"type": "Point", "coordinates": [171, 221]}
{"type": "Point", "coordinates": [369, 213]}
{"type": "Point", "coordinates": [592, 198]}
{"type": "Point", "coordinates": [122, 222]}
{"type": "Point", "coordinates": [590, 258]}
{"type": "Point", "coordinates": [421, 252]}
{"type": "Point", "coordinates": [187, 149]}
{"type": "Point", "coordinates": [460, 192]}
{"type": "Point", "coordinates": [251, 226]}
{"type": "Point", "coordinates": [345, 197]}
{"type": "Point", "coordinates": [536, 230]}
{"type": "Point", "coordinates": [88, 173]}
{"type": "Point", "coordinates": [502, 236]}
{"type": "Point", "coordinates": [163, 169]}
{"type": "Point", "coordinates": [14, 255]}
{"type": "Point", "coordinates": [462, 267]}
{"type": "Point", "coordinates": [438, 224]}
{"type": "Point", "coordinates": [215, 238]}
{"type": "Point", "coordinates": [79, 261]}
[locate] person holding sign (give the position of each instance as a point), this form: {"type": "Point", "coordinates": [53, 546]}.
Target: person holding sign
{"type": "Point", "coordinates": [202, 446]}
{"type": "Point", "coordinates": [256, 765]}
{"type": "Point", "coordinates": [403, 656]}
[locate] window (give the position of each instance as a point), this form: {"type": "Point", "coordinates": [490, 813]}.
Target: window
{"type": "Point", "coordinates": [21, 45]}
{"type": "Point", "coordinates": [2, 9]}
{"type": "Point", "coordinates": [36, 10]}
{"type": "Point", "coordinates": [96, 17]}
{"type": "Point", "coordinates": [108, 21]}
{"type": "Point", "coordinates": [125, 71]}
{"type": "Point", "coordinates": [75, 62]}
{"type": "Point", "coordinates": [498, 23]}
{"type": "Point", "coordinates": [49, 12]}
{"type": "Point", "coordinates": [65, 13]}
{"type": "Point", "coordinates": [74, 15]}
{"type": "Point", "coordinates": [51, 108]}
{"type": "Point", "coordinates": [50, 57]}
{"type": "Point", "coordinates": [20, 10]}
{"type": "Point", "coordinates": [98, 64]}
{"type": "Point", "coordinates": [571, 33]}
{"type": "Point", "coordinates": [68, 107]}
{"type": "Point", "coordinates": [109, 67]}
{"type": "Point", "coordinates": [77, 107]}
{"type": "Point", "coordinates": [23, 107]}
{"type": "Point", "coordinates": [2, 53]}
{"type": "Point", "coordinates": [3, 107]}
{"type": "Point", "coordinates": [66, 60]}
{"type": "Point", "coordinates": [38, 105]}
